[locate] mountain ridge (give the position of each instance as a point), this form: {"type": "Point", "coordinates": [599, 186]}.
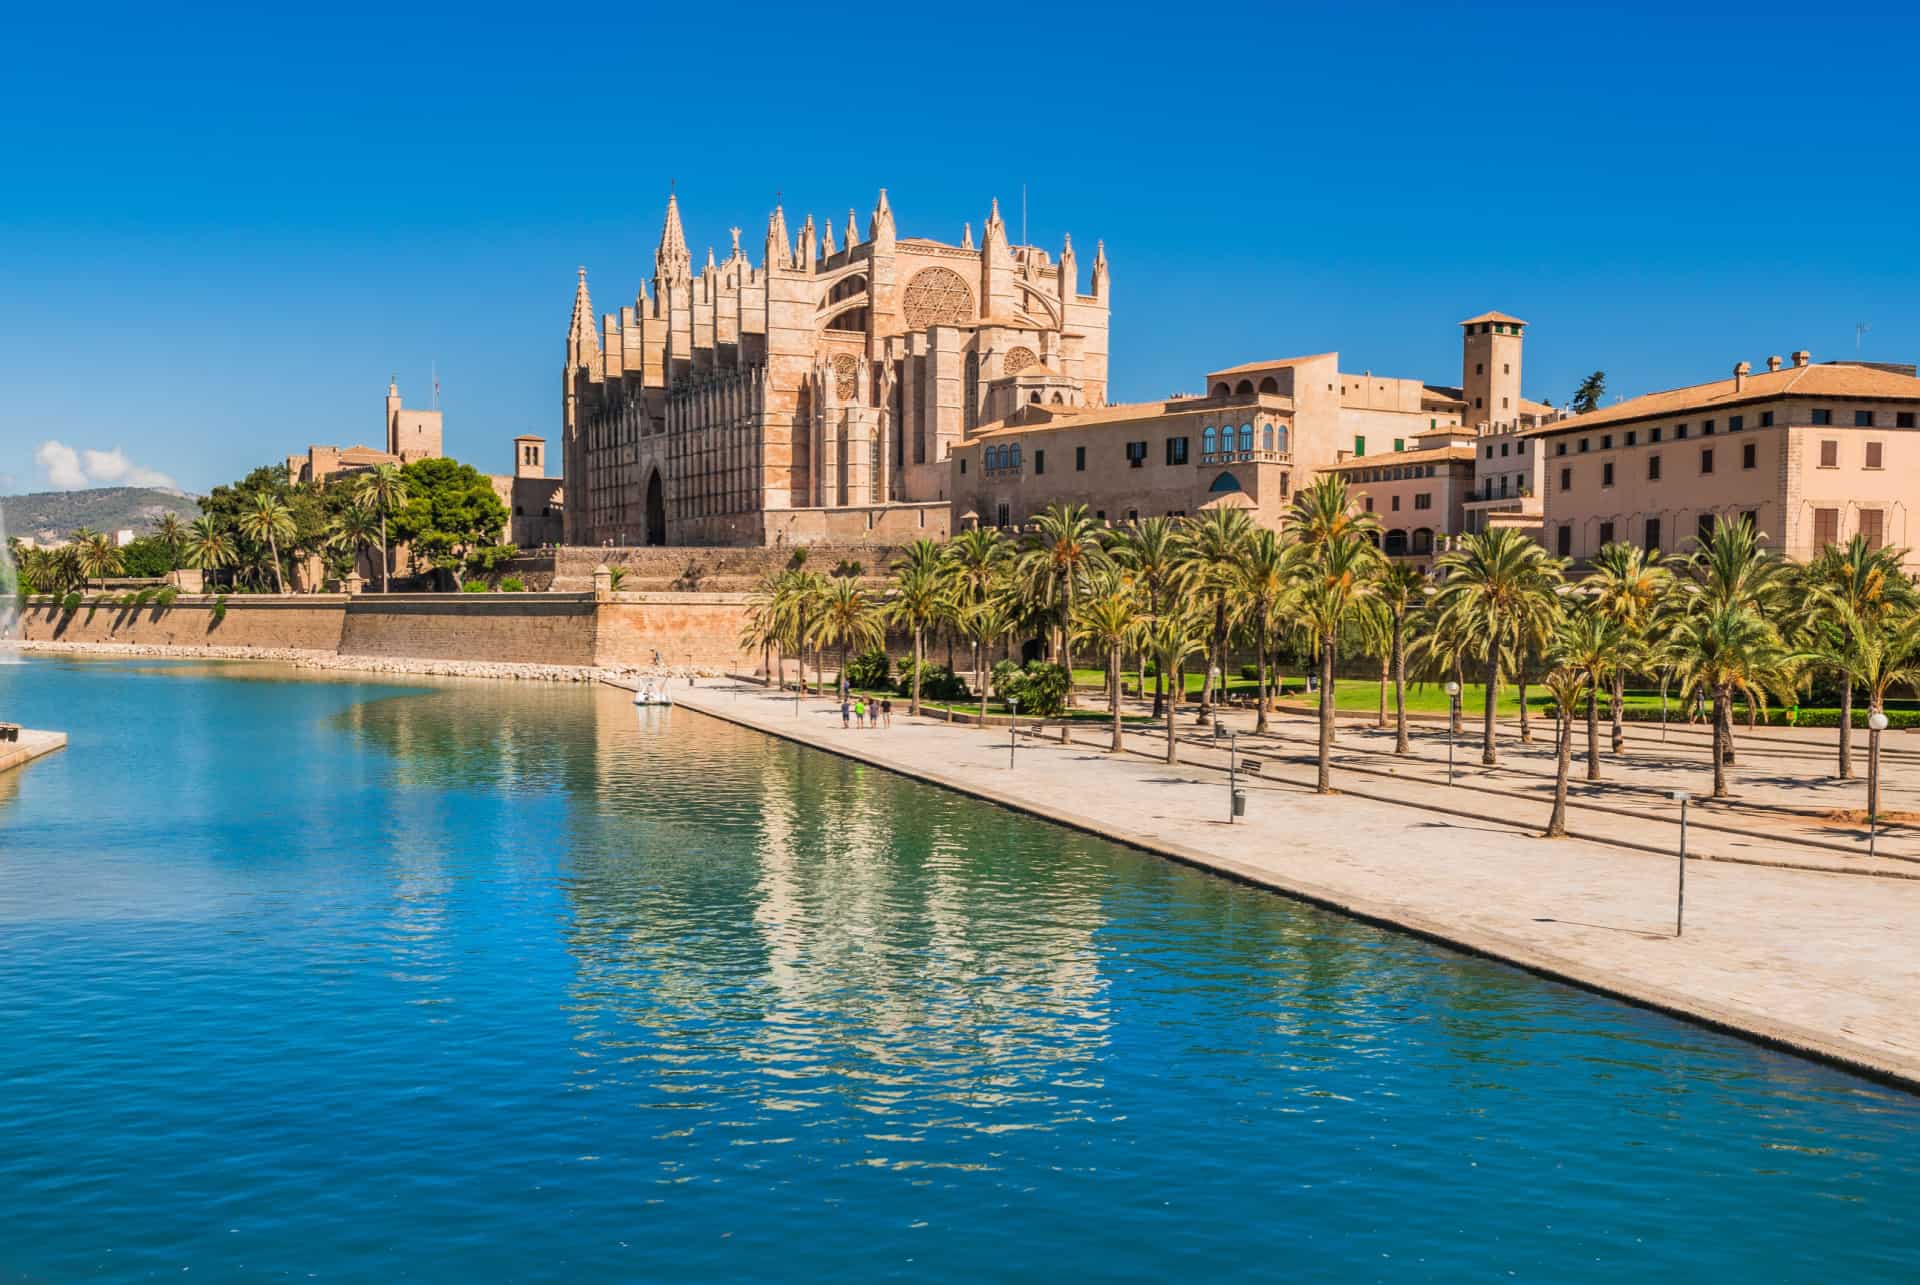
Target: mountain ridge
{"type": "Point", "coordinates": [53, 515]}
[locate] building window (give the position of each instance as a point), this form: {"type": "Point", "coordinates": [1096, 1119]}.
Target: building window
{"type": "Point", "coordinates": [1606, 473]}
{"type": "Point", "coordinates": [1653, 434]}
{"type": "Point", "coordinates": [1003, 515]}
{"type": "Point", "coordinates": [1633, 438]}
{"type": "Point", "coordinates": [1829, 455]}
{"type": "Point", "coordinates": [1246, 437]}
{"type": "Point", "coordinates": [1651, 541]}
{"type": "Point", "coordinates": [1560, 448]}
{"type": "Point", "coordinates": [1369, 504]}
{"type": "Point", "coordinates": [1826, 527]}
{"type": "Point", "coordinates": [1903, 419]}
{"type": "Point", "coordinates": [1079, 459]}
{"type": "Point", "coordinates": [1489, 452]}
{"type": "Point", "coordinates": [1566, 479]}
{"type": "Point", "coordinates": [1606, 441]}
{"type": "Point", "coordinates": [963, 466]}
{"type": "Point", "coordinates": [1039, 463]}
{"type": "Point", "coordinates": [1679, 432]}
{"type": "Point", "coordinates": [1706, 428]}
{"type": "Point", "coordinates": [1863, 419]}
{"type": "Point", "coordinates": [1874, 458]}
{"type": "Point", "coordinates": [1399, 444]}
{"type": "Point", "coordinates": [1396, 504]}
{"type": "Point", "coordinates": [1266, 437]}
{"type": "Point", "coordinates": [1606, 533]}
{"type": "Point", "coordinates": [1207, 440]}
{"type": "Point", "coordinates": [1563, 540]}
{"type": "Point", "coordinates": [1136, 454]}
{"type": "Point", "coordinates": [1873, 527]}
{"type": "Point", "coordinates": [1584, 445]}
{"type": "Point", "coordinates": [1822, 418]}
{"type": "Point", "coordinates": [1703, 527]}
{"type": "Point", "coordinates": [1503, 451]}
{"type": "Point", "coordinates": [1736, 422]}
{"type": "Point", "coordinates": [1176, 450]}
{"type": "Point", "coordinates": [1706, 460]}
{"type": "Point", "coordinates": [1766, 419]}
{"type": "Point", "coordinates": [1752, 518]}
{"type": "Point", "coordinates": [1359, 445]}
{"type": "Point", "coordinates": [1424, 500]}
{"type": "Point", "coordinates": [1748, 455]}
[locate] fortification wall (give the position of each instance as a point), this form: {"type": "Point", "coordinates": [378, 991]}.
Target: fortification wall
{"type": "Point", "coordinates": [686, 569]}
{"type": "Point", "coordinates": [510, 628]}
{"type": "Point", "coordinates": [702, 626]}
{"type": "Point", "coordinates": [309, 622]}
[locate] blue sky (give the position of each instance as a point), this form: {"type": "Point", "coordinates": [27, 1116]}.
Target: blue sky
{"type": "Point", "coordinates": [220, 231]}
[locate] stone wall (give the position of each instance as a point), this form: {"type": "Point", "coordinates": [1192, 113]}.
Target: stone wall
{"type": "Point", "coordinates": [683, 569]}
{"type": "Point", "coordinates": [308, 622]}
{"type": "Point", "coordinates": [705, 626]}
{"type": "Point", "coordinates": [510, 628]}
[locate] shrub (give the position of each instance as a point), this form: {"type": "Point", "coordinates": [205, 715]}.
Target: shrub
{"type": "Point", "coordinates": [937, 682]}
{"type": "Point", "coordinates": [512, 584]}
{"type": "Point", "coordinates": [870, 669]}
{"type": "Point", "coordinates": [476, 586]}
{"type": "Point", "coordinates": [71, 603]}
{"type": "Point", "coordinates": [166, 596]}
{"type": "Point", "coordinates": [219, 609]}
{"type": "Point", "coordinates": [1040, 685]}
{"type": "Point", "coordinates": [1151, 669]}
{"type": "Point", "coordinates": [1250, 671]}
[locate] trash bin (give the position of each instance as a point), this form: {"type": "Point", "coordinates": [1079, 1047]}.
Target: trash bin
{"type": "Point", "coordinates": [1239, 803]}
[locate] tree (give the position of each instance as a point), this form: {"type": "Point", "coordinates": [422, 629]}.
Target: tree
{"type": "Point", "coordinates": [1152, 553]}
{"type": "Point", "coordinates": [1401, 593]}
{"type": "Point", "coordinates": [383, 492]}
{"type": "Point", "coordinates": [1722, 649]}
{"type": "Point", "coordinates": [1587, 397]}
{"type": "Point", "coordinates": [1212, 548]}
{"type": "Point", "coordinates": [1261, 592]}
{"type": "Point", "coordinates": [1733, 569]}
{"type": "Point", "coordinates": [1334, 569]}
{"type": "Point", "coordinates": [1848, 591]}
{"type": "Point", "coordinates": [976, 563]}
{"type": "Point", "coordinates": [1488, 580]}
{"type": "Point", "coordinates": [919, 598]}
{"type": "Point", "coordinates": [1170, 638]}
{"type": "Point", "coordinates": [1626, 586]}
{"type": "Point", "coordinates": [353, 530]}
{"type": "Point", "coordinates": [1596, 645]}
{"type": "Point", "coordinates": [209, 545]}
{"type": "Point", "coordinates": [848, 618]}
{"type": "Point", "coordinates": [451, 511]}
{"type": "Point", "coordinates": [267, 519]}
{"type": "Point", "coordinates": [172, 534]}
{"type": "Point", "coordinates": [1885, 655]}
{"type": "Point", "coordinates": [98, 555]}
{"type": "Point", "coordinates": [1067, 545]}
{"type": "Point", "coordinates": [985, 623]}
{"type": "Point", "coordinates": [1108, 619]}
{"type": "Point", "coordinates": [1564, 683]}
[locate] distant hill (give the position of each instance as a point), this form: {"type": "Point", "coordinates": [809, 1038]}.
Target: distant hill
{"type": "Point", "coordinates": [52, 515]}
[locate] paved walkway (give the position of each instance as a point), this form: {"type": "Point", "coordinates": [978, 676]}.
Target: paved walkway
{"type": "Point", "coordinates": [29, 747]}
{"type": "Point", "coordinates": [1822, 962]}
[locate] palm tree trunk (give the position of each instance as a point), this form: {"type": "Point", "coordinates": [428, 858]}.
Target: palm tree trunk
{"type": "Point", "coordinates": [1117, 745]}
{"type": "Point", "coordinates": [1264, 702]}
{"type": "Point", "coordinates": [1563, 758]}
{"type": "Point", "coordinates": [1727, 718]}
{"type": "Point", "coordinates": [1719, 735]}
{"type": "Point", "coordinates": [1386, 672]}
{"type": "Point", "coordinates": [273, 547]}
{"type": "Point", "coordinates": [1066, 643]}
{"type": "Point", "coordinates": [1459, 706]}
{"type": "Point", "coordinates": [1492, 694]}
{"type": "Point", "coordinates": [1520, 692]}
{"type": "Point", "coordinates": [918, 652]}
{"type": "Point", "coordinates": [386, 559]}
{"type": "Point", "coordinates": [1323, 781]}
{"type": "Point", "coordinates": [1399, 685]}
{"type": "Point", "coordinates": [1172, 746]}
{"type": "Point", "coordinates": [1846, 725]}
{"type": "Point", "coordinates": [1593, 731]}
{"type": "Point", "coordinates": [1618, 709]}
{"type": "Point", "coordinates": [983, 704]}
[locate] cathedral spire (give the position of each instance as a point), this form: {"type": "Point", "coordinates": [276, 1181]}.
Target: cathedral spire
{"type": "Point", "coordinates": [831, 248]}
{"type": "Point", "coordinates": [671, 262]}
{"type": "Point", "coordinates": [582, 340]}
{"type": "Point", "coordinates": [809, 245]}
{"type": "Point", "coordinates": [881, 224]}
{"type": "Point", "coordinates": [779, 245]}
{"type": "Point", "coordinates": [853, 230]}
{"type": "Point", "coordinates": [966, 235]}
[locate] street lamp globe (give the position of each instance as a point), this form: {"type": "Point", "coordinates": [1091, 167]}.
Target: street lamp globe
{"type": "Point", "coordinates": [1453, 688]}
{"type": "Point", "coordinates": [1877, 721]}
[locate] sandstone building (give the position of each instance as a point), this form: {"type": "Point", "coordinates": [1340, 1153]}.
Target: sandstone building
{"type": "Point", "coordinates": [1810, 454]}
{"type": "Point", "coordinates": [818, 394]}
{"type": "Point", "coordinates": [1261, 431]}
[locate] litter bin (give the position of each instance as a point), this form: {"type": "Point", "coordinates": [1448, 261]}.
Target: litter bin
{"type": "Point", "coordinates": [1239, 803]}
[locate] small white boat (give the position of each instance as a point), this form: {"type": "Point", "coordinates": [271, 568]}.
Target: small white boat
{"type": "Point", "coordinates": [651, 695]}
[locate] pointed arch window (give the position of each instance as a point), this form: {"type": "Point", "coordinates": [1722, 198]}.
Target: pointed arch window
{"type": "Point", "coordinates": [1225, 483]}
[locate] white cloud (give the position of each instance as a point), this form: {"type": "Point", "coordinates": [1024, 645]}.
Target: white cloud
{"type": "Point", "coordinates": [68, 469]}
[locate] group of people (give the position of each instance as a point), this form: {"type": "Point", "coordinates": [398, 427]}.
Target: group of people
{"type": "Point", "coordinates": [858, 711]}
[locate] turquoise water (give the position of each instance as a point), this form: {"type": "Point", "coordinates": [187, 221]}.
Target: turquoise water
{"type": "Point", "coordinates": [333, 980]}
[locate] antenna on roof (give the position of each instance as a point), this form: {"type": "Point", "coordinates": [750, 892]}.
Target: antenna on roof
{"type": "Point", "coordinates": [1859, 332]}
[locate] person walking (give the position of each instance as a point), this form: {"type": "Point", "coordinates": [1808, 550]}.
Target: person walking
{"type": "Point", "coordinates": [886, 711]}
{"type": "Point", "coordinates": [846, 714]}
{"type": "Point", "coordinates": [860, 715]}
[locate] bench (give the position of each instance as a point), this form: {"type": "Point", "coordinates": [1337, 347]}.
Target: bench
{"type": "Point", "coordinates": [9, 731]}
{"type": "Point", "coordinates": [1250, 766]}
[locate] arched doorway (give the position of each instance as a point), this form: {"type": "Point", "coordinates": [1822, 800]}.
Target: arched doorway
{"type": "Point", "coordinates": [656, 510]}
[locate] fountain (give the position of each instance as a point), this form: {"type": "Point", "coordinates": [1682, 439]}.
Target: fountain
{"type": "Point", "coordinates": [9, 601]}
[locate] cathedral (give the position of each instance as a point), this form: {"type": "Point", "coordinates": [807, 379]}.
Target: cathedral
{"type": "Point", "coordinates": [817, 396]}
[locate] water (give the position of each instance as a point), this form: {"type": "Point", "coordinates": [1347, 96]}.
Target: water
{"type": "Point", "coordinates": [326, 979]}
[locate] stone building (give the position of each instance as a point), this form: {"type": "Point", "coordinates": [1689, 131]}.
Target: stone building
{"type": "Point", "coordinates": [534, 501]}
{"type": "Point", "coordinates": [1810, 454]}
{"type": "Point", "coordinates": [1262, 430]}
{"type": "Point", "coordinates": [817, 395]}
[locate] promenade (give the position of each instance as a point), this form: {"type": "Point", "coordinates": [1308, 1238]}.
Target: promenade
{"type": "Point", "coordinates": [1801, 947]}
{"type": "Point", "coordinates": [31, 745]}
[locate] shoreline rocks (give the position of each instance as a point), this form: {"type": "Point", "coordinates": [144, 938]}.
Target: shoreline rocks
{"type": "Point", "coordinates": [426, 667]}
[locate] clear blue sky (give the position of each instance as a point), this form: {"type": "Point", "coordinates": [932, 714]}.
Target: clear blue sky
{"type": "Point", "coordinates": [221, 231]}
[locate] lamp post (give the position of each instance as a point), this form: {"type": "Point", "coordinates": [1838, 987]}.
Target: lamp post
{"type": "Point", "coordinates": [1232, 737]}
{"type": "Point", "coordinates": [1453, 709]}
{"type": "Point", "coordinates": [1680, 903]}
{"type": "Point", "coordinates": [1013, 727]}
{"type": "Point", "coordinates": [1876, 724]}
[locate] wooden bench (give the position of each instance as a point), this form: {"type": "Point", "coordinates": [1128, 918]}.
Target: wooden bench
{"type": "Point", "coordinates": [1250, 766]}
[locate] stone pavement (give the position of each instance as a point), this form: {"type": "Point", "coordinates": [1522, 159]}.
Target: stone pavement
{"type": "Point", "coordinates": [1823, 963]}
{"type": "Point", "coordinates": [30, 746]}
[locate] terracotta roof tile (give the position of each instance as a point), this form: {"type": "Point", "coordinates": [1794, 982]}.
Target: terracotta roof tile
{"type": "Point", "coordinates": [1493, 316]}
{"type": "Point", "coordinates": [1835, 379]}
{"type": "Point", "coordinates": [1249, 366]}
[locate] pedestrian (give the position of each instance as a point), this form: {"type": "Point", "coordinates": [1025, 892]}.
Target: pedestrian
{"type": "Point", "coordinates": [1793, 714]}
{"type": "Point", "coordinates": [886, 711]}
{"type": "Point", "coordinates": [860, 715]}
{"type": "Point", "coordinates": [846, 714]}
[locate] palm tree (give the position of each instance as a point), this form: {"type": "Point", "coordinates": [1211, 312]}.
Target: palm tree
{"type": "Point", "coordinates": [919, 598]}
{"type": "Point", "coordinates": [351, 532]}
{"type": "Point", "coordinates": [1067, 546]}
{"type": "Point", "coordinates": [797, 610]}
{"type": "Point", "coordinates": [1170, 638]}
{"type": "Point", "coordinates": [760, 625]}
{"type": "Point", "coordinates": [1260, 591]}
{"type": "Point", "coordinates": [99, 556]}
{"type": "Point", "coordinates": [1888, 655]}
{"type": "Point", "coordinates": [1848, 590]}
{"type": "Point", "coordinates": [985, 623]}
{"type": "Point", "coordinates": [1211, 550]}
{"type": "Point", "coordinates": [977, 562]}
{"type": "Point", "coordinates": [172, 534]}
{"type": "Point", "coordinates": [1733, 568]}
{"type": "Point", "coordinates": [848, 618]}
{"type": "Point", "coordinates": [383, 491]}
{"type": "Point", "coordinates": [1108, 618]}
{"type": "Point", "coordinates": [209, 545]}
{"type": "Point", "coordinates": [1724, 649]}
{"type": "Point", "coordinates": [268, 520]}
{"type": "Point", "coordinates": [1153, 553]}
{"type": "Point", "coordinates": [1488, 580]}
{"type": "Point", "coordinates": [1565, 683]}
{"type": "Point", "coordinates": [1333, 575]}
{"type": "Point", "coordinates": [1401, 592]}
{"type": "Point", "coordinates": [1627, 586]}
{"type": "Point", "coordinates": [1596, 645]}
